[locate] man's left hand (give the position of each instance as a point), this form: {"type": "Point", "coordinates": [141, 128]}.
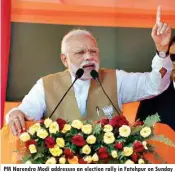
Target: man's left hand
{"type": "Point", "coordinates": [161, 33]}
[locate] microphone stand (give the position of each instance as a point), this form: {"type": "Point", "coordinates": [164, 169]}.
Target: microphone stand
{"type": "Point", "coordinates": [94, 75]}
{"type": "Point", "coordinates": [78, 75]}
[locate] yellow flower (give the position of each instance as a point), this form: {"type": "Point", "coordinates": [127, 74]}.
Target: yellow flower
{"type": "Point", "coordinates": [114, 154]}
{"type": "Point", "coordinates": [28, 162]}
{"type": "Point", "coordinates": [124, 131]}
{"type": "Point", "coordinates": [91, 139]}
{"type": "Point", "coordinates": [54, 127]}
{"type": "Point", "coordinates": [129, 162]}
{"type": "Point", "coordinates": [56, 151]}
{"type": "Point", "coordinates": [62, 160]}
{"type": "Point", "coordinates": [66, 128]}
{"type": "Point", "coordinates": [127, 151]}
{"type": "Point", "coordinates": [145, 145]}
{"type": "Point", "coordinates": [74, 160]}
{"type": "Point", "coordinates": [109, 138]}
{"type": "Point", "coordinates": [141, 161]}
{"type": "Point", "coordinates": [145, 132]}
{"type": "Point", "coordinates": [47, 122]}
{"type": "Point", "coordinates": [51, 160]}
{"type": "Point", "coordinates": [77, 124]}
{"type": "Point", "coordinates": [87, 129]}
{"type": "Point", "coordinates": [107, 128]}
{"type": "Point", "coordinates": [88, 159]}
{"type": "Point", "coordinates": [42, 133]}
{"type": "Point", "coordinates": [24, 137]}
{"type": "Point", "coordinates": [95, 157]}
{"type": "Point", "coordinates": [86, 149]}
{"type": "Point", "coordinates": [32, 148]}
{"type": "Point", "coordinates": [60, 142]}
{"type": "Point", "coordinates": [34, 128]}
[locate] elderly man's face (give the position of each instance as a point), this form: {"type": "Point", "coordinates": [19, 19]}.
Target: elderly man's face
{"type": "Point", "coordinates": [82, 52]}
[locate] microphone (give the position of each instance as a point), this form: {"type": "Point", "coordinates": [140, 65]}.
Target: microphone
{"type": "Point", "coordinates": [95, 76]}
{"type": "Point", "coordinates": [79, 73]}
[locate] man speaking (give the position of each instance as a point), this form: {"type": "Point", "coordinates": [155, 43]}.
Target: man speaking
{"type": "Point", "coordinates": [87, 99]}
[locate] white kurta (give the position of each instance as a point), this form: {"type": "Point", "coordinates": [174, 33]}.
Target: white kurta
{"type": "Point", "coordinates": [130, 87]}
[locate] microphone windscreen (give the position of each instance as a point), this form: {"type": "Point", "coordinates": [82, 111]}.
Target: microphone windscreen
{"type": "Point", "coordinates": [79, 73]}
{"type": "Point", "coordinates": [94, 74]}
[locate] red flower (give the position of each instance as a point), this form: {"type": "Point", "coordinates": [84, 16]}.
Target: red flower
{"type": "Point", "coordinates": [42, 122]}
{"type": "Point", "coordinates": [82, 161]}
{"type": "Point", "coordinates": [68, 153]}
{"type": "Point", "coordinates": [137, 123]}
{"type": "Point", "coordinates": [135, 157]}
{"type": "Point", "coordinates": [138, 147]}
{"type": "Point", "coordinates": [61, 123]}
{"type": "Point", "coordinates": [118, 121]}
{"type": "Point", "coordinates": [30, 142]}
{"type": "Point", "coordinates": [104, 121]}
{"type": "Point", "coordinates": [119, 145]}
{"type": "Point", "coordinates": [103, 153]}
{"type": "Point", "coordinates": [78, 140]}
{"type": "Point", "coordinates": [50, 142]}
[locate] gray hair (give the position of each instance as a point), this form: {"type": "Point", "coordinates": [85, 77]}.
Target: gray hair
{"type": "Point", "coordinates": [74, 32]}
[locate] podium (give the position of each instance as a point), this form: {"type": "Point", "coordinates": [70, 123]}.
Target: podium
{"type": "Point", "coordinates": [11, 144]}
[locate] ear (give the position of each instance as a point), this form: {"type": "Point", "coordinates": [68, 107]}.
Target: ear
{"type": "Point", "coordinates": [64, 60]}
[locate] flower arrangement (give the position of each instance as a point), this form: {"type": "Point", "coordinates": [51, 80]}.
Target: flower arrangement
{"type": "Point", "coordinates": [77, 142]}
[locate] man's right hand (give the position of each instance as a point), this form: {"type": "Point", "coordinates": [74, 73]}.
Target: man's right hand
{"type": "Point", "coordinates": [17, 122]}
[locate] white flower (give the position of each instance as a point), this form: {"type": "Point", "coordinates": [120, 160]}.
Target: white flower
{"type": "Point", "coordinates": [87, 129]}
{"type": "Point", "coordinates": [34, 128]}
{"type": "Point", "coordinates": [145, 145]}
{"type": "Point", "coordinates": [51, 160]}
{"type": "Point", "coordinates": [108, 138]}
{"type": "Point", "coordinates": [124, 131]}
{"type": "Point", "coordinates": [62, 160]}
{"type": "Point", "coordinates": [114, 154]}
{"type": "Point", "coordinates": [53, 128]}
{"type": "Point", "coordinates": [127, 151]}
{"type": "Point", "coordinates": [95, 157]}
{"type": "Point", "coordinates": [91, 139]}
{"type": "Point", "coordinates": [129, 162]}
{"type": "Point", "coordinates": [47, 122]}
{"type": "Point", "coordinates": [145, 132]}
{"type": "Point", "coordinates": [24, 137]}
{"type": "Point", "coordinates": [28, 162]}
{"type": "Point", "coordinates": [88, 159]}
{"type": "Point", "coordinates": [77, 124]}
{"type": "Point", "coordinates": [107, 128]}
{"type": "Point", "coordinates": [141, 161]}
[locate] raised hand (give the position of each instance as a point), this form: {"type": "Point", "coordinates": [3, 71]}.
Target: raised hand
{"type": "Point", "coordinates": [161, 33]}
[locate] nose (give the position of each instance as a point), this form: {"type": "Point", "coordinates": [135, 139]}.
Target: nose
{"type": "Point", "coordinates": [88, 56]}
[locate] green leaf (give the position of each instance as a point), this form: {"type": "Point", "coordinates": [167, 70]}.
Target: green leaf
{"type": "Point", "coordinates": [87, 122]}
{"type": "Point", "coordinates": [163, 139]}
{"type": "Point", "coordinates": [151, 148]}
{"type": "Point", "coordinates": [159, 158]}
{"type": "Point", "coordinates": [38, 155]}
{"type": "Point", "coordinates": [73, 148]}
{"type": "Point", "coordinates": [136, 130]}
{"type": "Point", "coordinates": [25, 158]}
{"type": "Point", "coordinates": [97, 129]}
{"type": "Point", "coordinates": [151, 120]}
{"type": "Point", "coordinates": [74, 131]}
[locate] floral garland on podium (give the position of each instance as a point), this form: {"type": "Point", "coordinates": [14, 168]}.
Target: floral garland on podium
{"type": "Point", "coordinates": [84, 142]}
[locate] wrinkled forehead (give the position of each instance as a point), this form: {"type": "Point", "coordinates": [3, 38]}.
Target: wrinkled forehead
{"type": "Point", "coordinates": [80, 42]}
